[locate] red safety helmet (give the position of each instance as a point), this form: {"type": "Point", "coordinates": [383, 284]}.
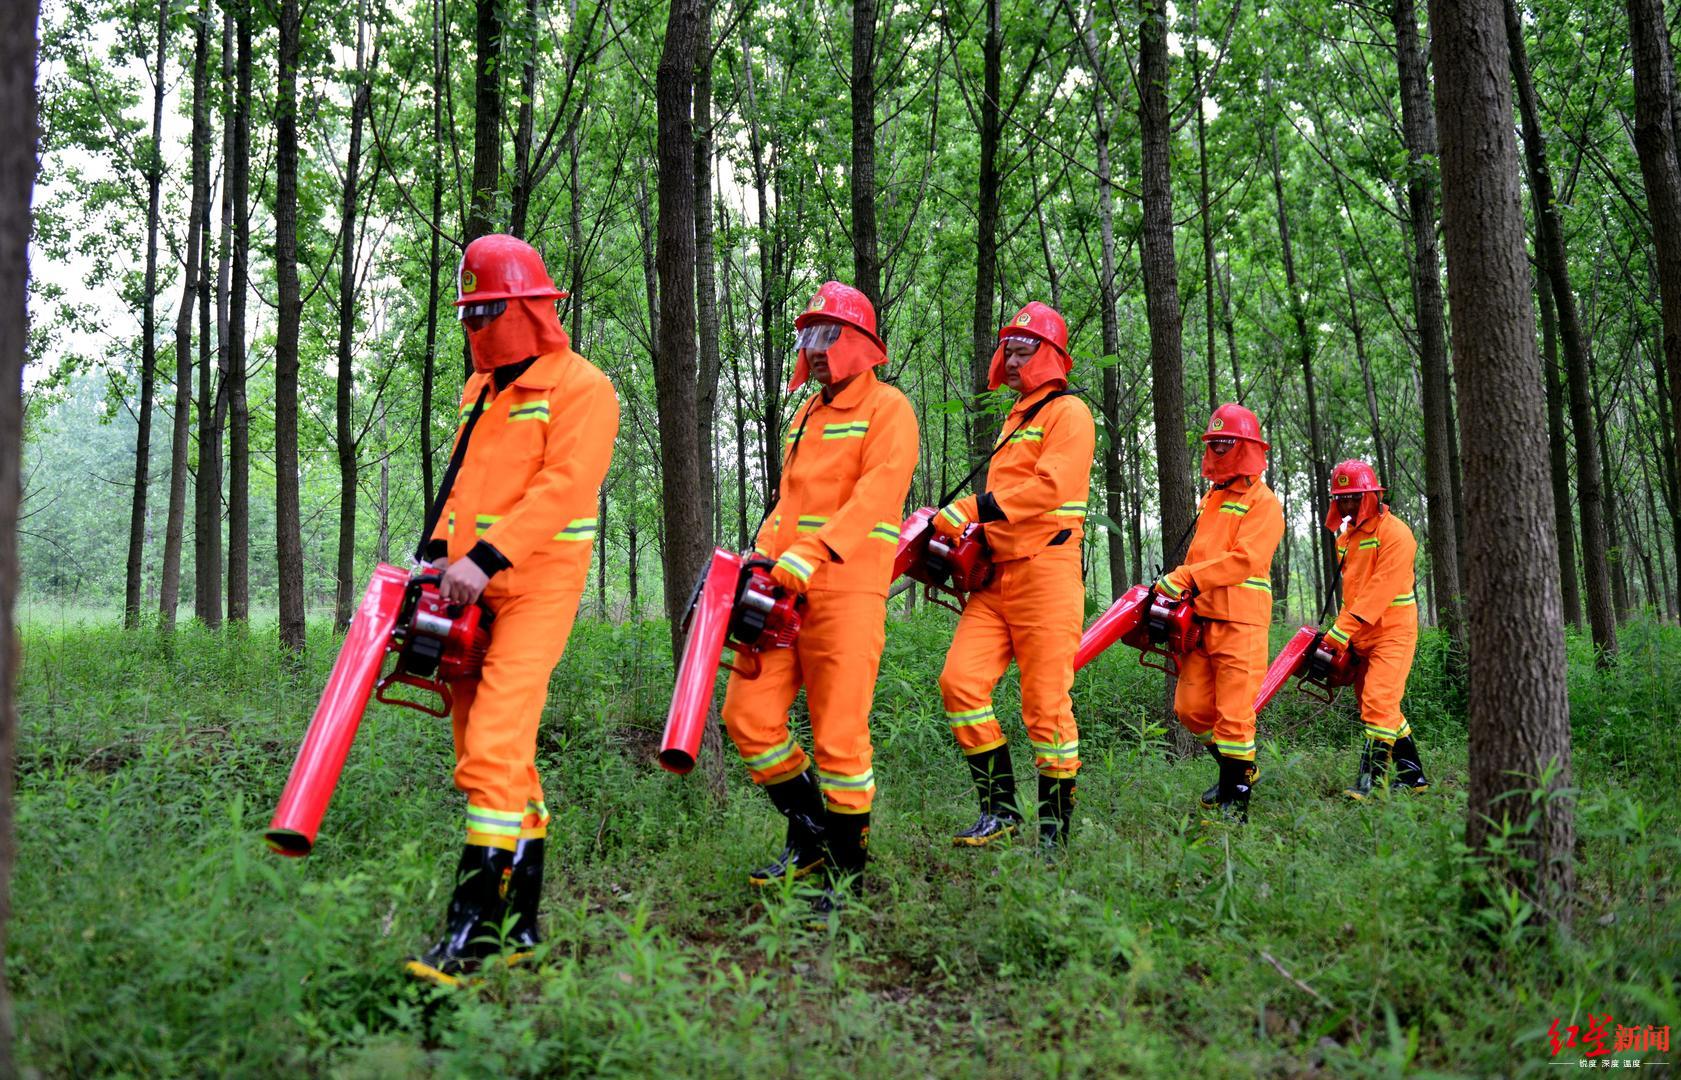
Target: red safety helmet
{"type": "Point", "coordinates": [842, 304]}
{"type": "Point", "coordinates": [502, 267]}
{"type": "Point", "coordinates": [1233, 421]}
{"type": "Point", "coordinates": [1039, 321]}
{"type": "Point", "coordinates": [1353, 477]}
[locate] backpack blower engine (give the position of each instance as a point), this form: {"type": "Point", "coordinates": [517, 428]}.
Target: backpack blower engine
{"type": "Point", "coordinates": [1156, 625]}
{"type": "Point", "coordinates": [434, 642]}
{"type": "Point", "coordinates": [1319, 672]}
{"type": "Point", "coordinates": [736, 603]}
{"type": "Point", "coordinates": [952, 567]}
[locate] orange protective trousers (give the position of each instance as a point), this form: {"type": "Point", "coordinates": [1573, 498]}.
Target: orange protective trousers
{"type": "Point", "coordinates": [1032, 612]}
{"type": "Point", "coordinates": [1218, 681]}
{"type": "Point", "coordinates": [1386, 658]}
{"type": "Point", "coordinates": [497, 712]}
{"type": "Point", "coordinates": [835, 658]}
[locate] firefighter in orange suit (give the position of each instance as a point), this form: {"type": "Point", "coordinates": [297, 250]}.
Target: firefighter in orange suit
{"type": "Point", "coordinates": [1033, 513]}
{"type": "Point", "coordinates": [833, 532]}
{"type": "Point", "coordinates": [1378, 621]}
{"type": "Point", "coordinates": [1227, 573]}
{"type": "Point", "coordinates": [516, 535]}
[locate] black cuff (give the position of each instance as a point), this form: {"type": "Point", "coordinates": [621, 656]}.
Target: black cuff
{"type": "Point", "coordinates": [987, 507]}
{"type": "Point", "coordinates": [435, 550]}
{"type": "Point", "coordinates": [488, 559]}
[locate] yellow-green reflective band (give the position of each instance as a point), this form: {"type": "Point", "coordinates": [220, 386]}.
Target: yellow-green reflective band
{"type": "Point", "coordinates": [837, 782]}
{"type": "Point", "coordinates": [535, 807]}
{"type": "Point", "coordinates": [1342, 552]}
{"type": "Point", "coordinates": [1371, 544]}
{"type": "Point", "coordinates": [1337, 635]}
{"type": "Point", "coordinates": [950, 514]}
{"type": "Point", "coordinates": [451, 525]}
{"type": "Point", "coordinates": [969, 717]}
{"type": "Point", "coordinates": [483, 522]}
{"type": "Point", "coordinates": [810, 523]}
{"type": "Point", "coordinates": [468, 410]}
{"type": "Point", "coordinates": [1234, 508]}
{"type": "Point", "coordinates": [1032, 434]}
{"type": "Point", "coordinates": [1404, 601]}
{"type": "Point", "coordinates": [795, 565]}
{"type": "Point", "coordinates": [530, 410]}
{"type": "Point", "coordinates": [853, 430]}
{"type": "Point", "coordinates": [1371, 728]}
{"type": "Point", "coordinates": [773, 756]}
{"type": "Point", "coordinates": [578, 529]}
{"type": "Point", "coordinates": [885, 530]}
{"type": "Point", "coordinates": [1173, 591]}
{"type": "Point", "coordinates": [1073, 509]}
{"type": "Point", "coordinates": [1230, 748]}
{"type": "Point", "coordinates": [494, 822]}
{"type": "Point", "coordinates": [1057, 750]}
{"type": "Point", "coordinates": [1256, 583]}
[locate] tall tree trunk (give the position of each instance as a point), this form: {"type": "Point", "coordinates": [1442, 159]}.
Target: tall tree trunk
{"type": "Point", "coordinates": [288, 524]}
{"type": "Point", "coordinates": [1615, 554]}
{"type": "Point", "coordinates": [1161, 297]}
{"type": "Point", "coordinates": [706, 281]}
{"type": "Point", "coordinates": [1418, 123]}
{"type": "Point", "coordinates": [675, 371]}
{"type": "Point", "coordinates": [1519, 714]}
{"type": "Point", "coordinates": [1231, 331]}
{"type": "Point", "coordinates": [239, 409]}
{"type": "Point", "coordinates": [601, 550]}
{"type": "Point", "coordinates": [346, 594]}
{"type": "Point", "coordinates": [207, 574]}
{"type": "Point", "coordinates": [175, 522]}
{"type": "Point", "coordinates": [206, 524]}
{"type": "Point", "coordinates": [1204, 215]}
{"type": "Point", "coordinates": [1555, 267]}
{"type": "Point", "coordinates": [1358, 330]}
{"type": "Point", "coordinates": [520, 196]}
{"type": "Point", "coordinates": [135, 574]}
{"type": "Point", "coordinates": [866, 269]}
{"type": "Point", "coordinates": [1319, 465]}
{"type": "Point", "coordinates": [1669, 469]}
{"type": "Point", "coordinates": [985, 326]}
{"type": "Point", "coordinates": [487, 136]}
{"type": "Point", "coordinates": [434, 258]}
{"type": "Point", "coordinates": [18, 133]}
{"type": "Point", "coordinates": [1660, 167]}
{"type": "Point", "coordinates": [1558, 457]}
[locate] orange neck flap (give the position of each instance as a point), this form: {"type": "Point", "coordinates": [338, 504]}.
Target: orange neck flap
{"type": "Point", "coordinates": [851, 353]}
{"type": "Point", "coordinates": [1245, 459]}
{"type": "Point", "coordinates": [529, 327]}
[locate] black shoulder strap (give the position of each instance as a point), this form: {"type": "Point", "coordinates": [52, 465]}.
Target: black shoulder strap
{"type": "Point", "coordinates": [455, 461]}
{"type": "Point", "coordinates": [1027, 418]}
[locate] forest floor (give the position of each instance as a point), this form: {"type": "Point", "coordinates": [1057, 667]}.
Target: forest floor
{"type": "Point", "coordinates": [153, 934]}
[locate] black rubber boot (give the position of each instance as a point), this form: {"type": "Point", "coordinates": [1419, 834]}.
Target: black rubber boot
{"type": "Point", "coordinates": [1374, 769]}
{"type": "Point", "coordinates": [1211, 797]}
{"type": "Point", "coordinates": [473, 925]}
{"type": "Point", "coordinates": [799, 800]}
{"type": "Point", "coordinates": [1409, 770]}
{"type": "Point", "coordinates": [995, 782]}
{"type": "Point", "coordinates": [525, 892]}
{"type": "Point", "coordinates": [1056, 812]}
{"type": "Point", "coordinates": [848, 841]}
{"type": "Point", "coordinates": [1236, 778]}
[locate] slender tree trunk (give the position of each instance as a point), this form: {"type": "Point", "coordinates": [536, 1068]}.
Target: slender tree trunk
{"type": "Point", "coordinates": [135, 575]}
{"type": "Point", "coordinates": [1418, 122]}
{"type": "Point", "coordinates": [382, 542]}
{"type": "Point", "coordinates": [487, 135]}
{"type": "Point", "coordinates": [866, 269]}
{"type": "Point", "coordinates": [1161, 296]}
{"type": "Point", "coordinates": [1555, 268]}
{"type": "Point", "coordinates": [1358, 330]}
{"type": "Point", "coordinates": [1558, 457]}
{"type": "Point", "coordinates": [287, 521]}
{"type": "Point", "coordinates": [706, 281]}
{"type": "Point", "coordinates": [1203, 213]}
{"type": "Point", "coordinates": [208, 573]}
{"type": "Point", "coordinates": [1660, 167]}
{"type": "Point", "coordinates": [434, 259]}
{"type": "Point", "coordinates": [1231, 331]}
{"type": "Point", "coordinates": [982, 427]}
{"type": "Point", "coordinates": [1616, 557]}
{"type": "Point", "coordinates": [675, 371]}
{"type": "Point", "coordinates": [1519, 715]}
{"type": "Point", "coordinates": [520, 196]}
{"type": "Point", "coordinates": [18, 134]}
{"type": "Point", "coordinates": [239, 409]}
{"type": "Point", "coordinates": [601, 550]}
{"type": "Point", "coordinates": [206, 525]}
{"type": "Point", "coordinates": [1669, 469]}
{"type": "Point", "coordinates": [346, 595]}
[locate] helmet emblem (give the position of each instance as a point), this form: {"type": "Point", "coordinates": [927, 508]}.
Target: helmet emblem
{"type": "Point", "coordinates": [817, 302]}
{"type": "Point", "coordinates": [1342, 479]}
{"type": "Point", "coordinates": [1023, 319]}
{"type": "Point", "coordinates": [1218, 423]}
{"type": "Point", "coordinates": [469, 281]}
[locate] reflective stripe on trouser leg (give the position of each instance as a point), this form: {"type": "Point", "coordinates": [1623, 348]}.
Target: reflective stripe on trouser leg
{"type": "Point", "coordinates": [1385, 661]}
{"type": "Point", "coordinates": [1044, 604]}
{"type": "Point", "coordinates": [839, 651]}
{"type": "Point", "coordinates": [1193, 695]}
{"type": "Point", "coordinates": [979, 653]}
{"type": "Point", "coordinates": [1239, 656]}
{"type": "Point", "coordinates": [496, 715]}
{"type": "Point", "coordinates": [756, 717]}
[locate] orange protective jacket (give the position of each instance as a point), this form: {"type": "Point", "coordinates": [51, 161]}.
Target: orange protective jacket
{"type": "Point", "coordinates": [846, 469]}
{"type": "Point", "coordinates": [1377, 579]}
{"type": "Point", "coordinates": [1040, 481]}
{"type": "Point", "coordinates": [1229, 563]}
{"type": "Point", "coordinates": [532, 476]}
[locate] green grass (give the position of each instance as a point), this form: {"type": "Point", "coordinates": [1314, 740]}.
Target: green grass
{"type": "Point", "coordinates": [154, 935]}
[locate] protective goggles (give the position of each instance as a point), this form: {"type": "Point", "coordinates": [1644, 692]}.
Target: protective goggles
{"type": "Point", "coordinates": [818, 336]}
{"type": "Point", "coordinates": [1021, 343]}
{"type": "Point", "coordinates": [487, 309]}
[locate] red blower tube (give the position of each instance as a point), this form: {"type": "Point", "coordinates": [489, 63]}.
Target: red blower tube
{"type": "Point", "coordinates": [691, 698]}
{"type": "Point", "coordinates": [320, 760]}
{"type": "Point", "coordinates": [1121, 619]}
